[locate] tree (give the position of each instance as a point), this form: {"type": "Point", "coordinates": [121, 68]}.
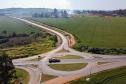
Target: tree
{"type": "Point", "coordinates": [56, 14]}
{"type": "Point", "coordinates": [4, 32]}
{"type": "Point", "coordinates": [35, 15]}
{"type": "Point", "coordinates": [77, 12]}
{"type": "Point", "coordinates": [64, 14]}
{"type": "Point", "coordinates": [14, 34]}
{"type": "Point", "coordinates": [7, 69]}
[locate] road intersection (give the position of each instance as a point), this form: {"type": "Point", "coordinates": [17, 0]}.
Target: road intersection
{"type": "Point", "coordinates": [43, 68]}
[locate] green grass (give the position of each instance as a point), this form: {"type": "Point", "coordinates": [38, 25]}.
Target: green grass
{"type": "Point", "coordinates": [69, 57]}
{"type": "Point", "coordinates": [101, 32]}
{"type": "Point", "coordinates": [100, 63]}
{"type": "Point", "coordinates": [29, 50]}
{"type": "Point", "coordinates": [68, 67]}
{"type": "Point", "coordinates": [115, 76]}
{"type": "Point", "coordinates": [22, 74]}
{"type": "Point", "coordinates": [46, 77]}
{"type": "Point", "coordinates": [13, 25]}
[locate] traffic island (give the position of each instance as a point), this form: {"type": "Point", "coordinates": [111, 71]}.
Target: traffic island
{"type": "Point", "coordinates": [22, 76]}
{"type": "Point", "coordinates": [68, 67]}
{"type": "Point", "coordinates": [68, 57]}
{"type": "Point", "coordinates": [46, 77]}
{"type": "Point", "coordinates": [100, 63]}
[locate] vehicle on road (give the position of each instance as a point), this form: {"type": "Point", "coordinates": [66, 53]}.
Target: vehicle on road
{"type": "Point", "coordinates": [52, 60]}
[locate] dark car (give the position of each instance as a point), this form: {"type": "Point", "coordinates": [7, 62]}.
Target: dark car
{"type": "Point", "coordinates": [54, 60]}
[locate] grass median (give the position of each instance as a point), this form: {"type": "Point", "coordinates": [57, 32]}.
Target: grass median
{"type": "Point", "coordinates": [46, 77]}
{"type": "Point", "coordinates": [68, 67]}
{"type": "Point", "coordinates": [68, 57]}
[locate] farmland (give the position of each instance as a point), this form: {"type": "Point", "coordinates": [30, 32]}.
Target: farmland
{"type": "Point", "coordinates": [94, 31]}
{"type": "Point", "coordinates": [115, 76]}
{"type": "Point", "coordinates": [19, 40]}
{"type": "Point", "coordinates": [13, 25]}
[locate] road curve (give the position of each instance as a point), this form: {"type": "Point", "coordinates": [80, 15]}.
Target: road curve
{"type": "Point", "coordinates": [94, 57]}
{"type": "Point", "coordinates": [35, 75]}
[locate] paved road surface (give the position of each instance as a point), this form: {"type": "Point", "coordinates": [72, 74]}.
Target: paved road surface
{"type": "Point", "coordinates": [91, 59]}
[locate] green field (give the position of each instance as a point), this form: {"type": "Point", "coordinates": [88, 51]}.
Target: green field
{"type": "Point", "coordinates": [68, 67]}
{"type": "Point", "coordinates": [13, 25]}
{"type": "Point", "coordinates": [33, 43]}
{"type": "Point", "coordinates": [34, 48]}
{"type": "Point", "coordinates": [94, 31]}
{"type": "Point", "coordinates": [22, 75]}
{"type": "Point", "coordinates": [115, 76]}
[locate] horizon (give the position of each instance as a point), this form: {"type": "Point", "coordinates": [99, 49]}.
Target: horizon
{"type": "Point", "coordinates": [63, 9]}
{"type": "Point", "coordinates": [65, 4]}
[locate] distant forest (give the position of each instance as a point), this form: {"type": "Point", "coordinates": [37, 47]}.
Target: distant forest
{"type": "Point", "coordinates": [119, 12]}
{"type": "Point", "coordinates": [57, 13]}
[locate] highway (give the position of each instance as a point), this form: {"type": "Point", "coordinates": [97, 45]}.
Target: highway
{"type": "Point", "coordinates": [91, 59]}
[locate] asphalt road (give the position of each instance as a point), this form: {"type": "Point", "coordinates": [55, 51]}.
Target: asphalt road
{"type": "Point", "coordinates": [35, 74]}
{"type": "Point", "coordinates": [91, 59]}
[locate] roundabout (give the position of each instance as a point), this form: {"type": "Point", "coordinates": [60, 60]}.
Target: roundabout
{"type": "Point", "coordinates": [88, 61]}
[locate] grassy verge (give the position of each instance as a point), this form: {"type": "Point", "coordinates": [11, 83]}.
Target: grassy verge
{"type": "Point", "coordinates": [22, 75]}
{"type": "Point", "coordinates": [68, 67]}
{"type": "Point", "coordinates": [37, 59]}
{"type": "Point", "coordinates": [69, 57]}
{"type": "Point", "coordinates": [63, 50]}
{"type": "Point", "coordinates": [46, 77]}
{"type": "Point", "coordinates": [35, 48]}
{"type": "Point", "coordinates": [100, 63]}
{"type": "Point", "coordinates": [115, 76]}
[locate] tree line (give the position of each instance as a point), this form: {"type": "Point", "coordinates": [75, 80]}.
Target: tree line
{"type": "Point", "coordinates": [54, 14]}
{"type": "Point", "coordinates": [110, 51]}
{"type": "Point", "coordinates": [15, 39]}
{"type": "Point", "coordinates": [7, 69]}
{"type": "Point", "coordinates": [120, 12]}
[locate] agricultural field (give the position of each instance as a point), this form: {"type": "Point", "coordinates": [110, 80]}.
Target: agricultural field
{"type": "Point", "coordinates": [13, 25]}
{"type": "Point", "coordinates": [20, 40]}
{"type": "Point", "coordinates": [115, 76]}
{"type": "Point", "coordinates": [93, 31]}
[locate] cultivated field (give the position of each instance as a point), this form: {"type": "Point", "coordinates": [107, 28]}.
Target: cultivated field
{"type": "Point", "coordinates": [13, 25]}
{"type": "Point", "coordinates": [23, 46]}
{"type": "Point", "coordinates": [94, 31]}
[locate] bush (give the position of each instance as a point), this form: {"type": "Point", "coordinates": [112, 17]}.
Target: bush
{"type": "Point", "coordinates": [84, 48]}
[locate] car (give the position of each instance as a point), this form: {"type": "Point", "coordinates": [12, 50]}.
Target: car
{"type": "Point", "coordinates": [52, 60]}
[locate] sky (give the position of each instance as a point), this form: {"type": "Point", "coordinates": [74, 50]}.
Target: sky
{"type": "Point", "coordinates": [65, 4]}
